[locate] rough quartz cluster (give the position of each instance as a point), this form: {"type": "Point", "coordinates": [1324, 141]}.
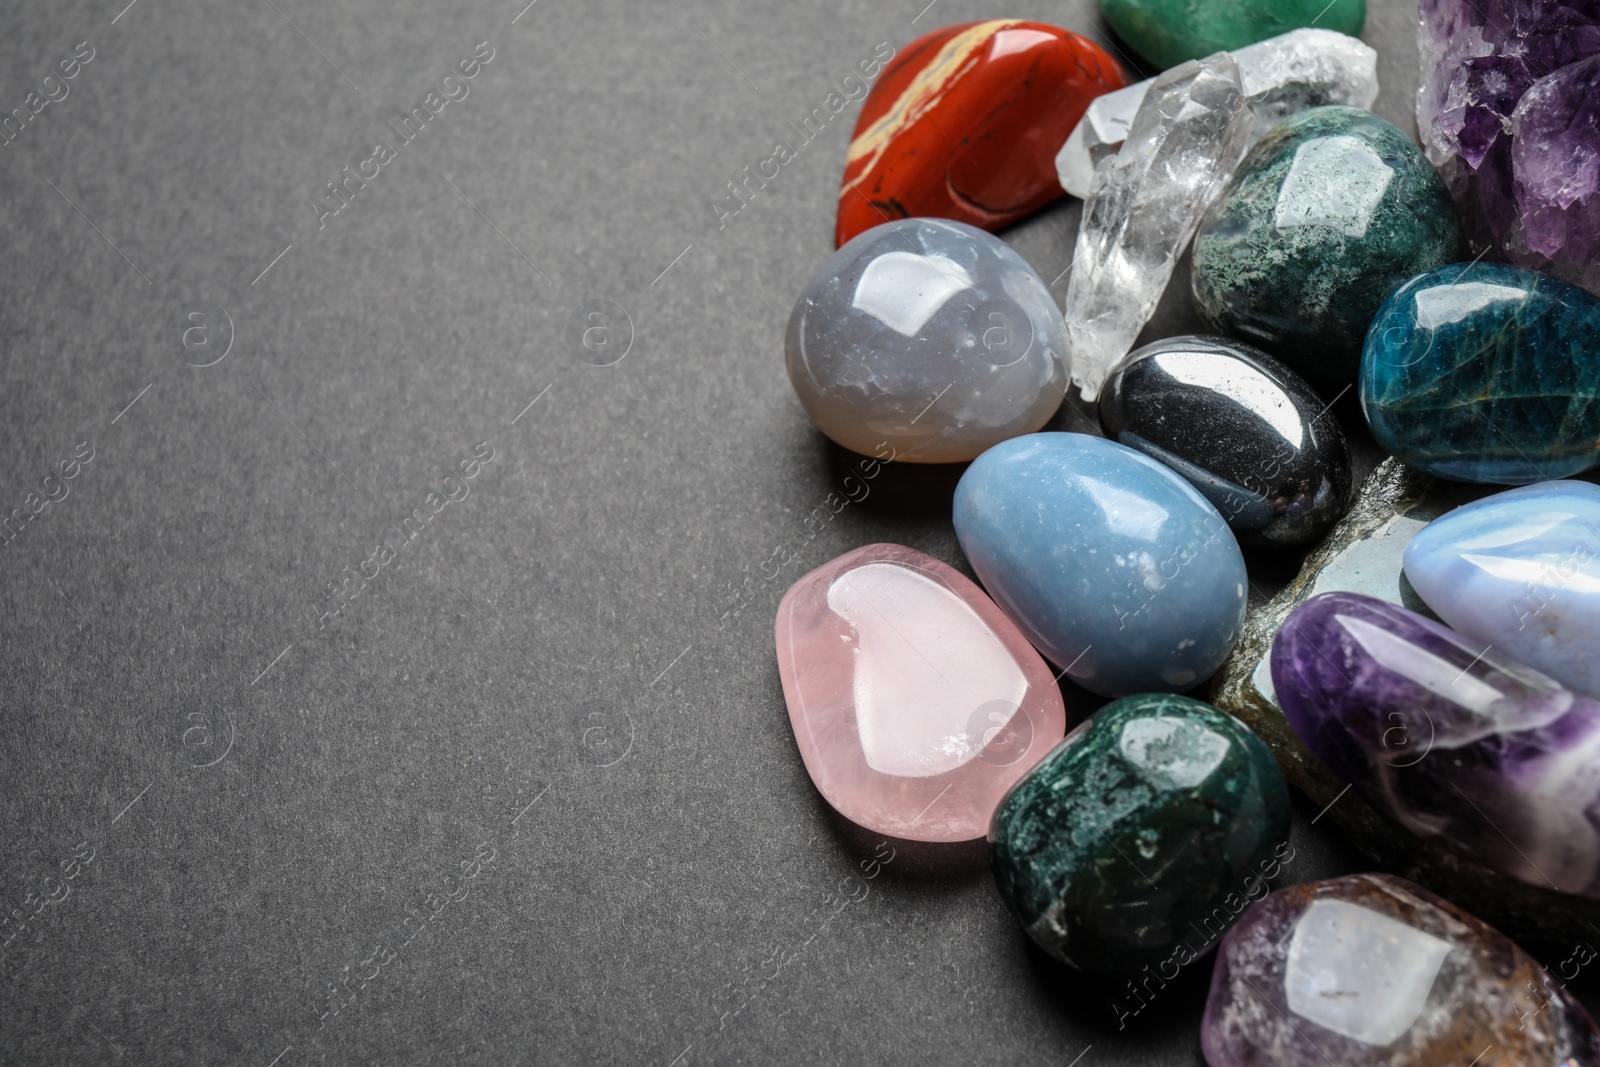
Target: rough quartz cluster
{"type": "Point", "coordinates": [1281, 76]}
{"type": "Point", "coordinates": [1192, 129]}
{"type": "Point", "coordinates": [1509, 111]}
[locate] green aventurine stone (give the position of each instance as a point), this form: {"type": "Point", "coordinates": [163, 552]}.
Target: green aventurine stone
{"type": "Point", "coordinates": [1167, 32]}
{"type": "Point", "coordinates": [1154, 823]}
{"type": "Point", "coordinates": [1326, 217]}
{"type": "Point", "coordinates": [1363, 554]}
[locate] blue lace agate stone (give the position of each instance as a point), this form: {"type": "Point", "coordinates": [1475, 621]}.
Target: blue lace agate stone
{"type": "Point", "coordinates": [1114, 566]}
{"type": "Point", "coordinates": [1520, 571]}
{"type": "Point", "coordinates": [1486, 373]}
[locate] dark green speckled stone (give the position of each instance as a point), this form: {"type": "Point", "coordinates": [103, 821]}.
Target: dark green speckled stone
{"type": "Point", "coordinates": [1486, 372]}
{"type": "Point", "coordinates": [1327, 216]}
{"type": "Point", "coordinates": [1142, 836]}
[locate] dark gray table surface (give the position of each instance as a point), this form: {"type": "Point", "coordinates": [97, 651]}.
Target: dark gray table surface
{"type": "Point", "coordinates": [526, 792]}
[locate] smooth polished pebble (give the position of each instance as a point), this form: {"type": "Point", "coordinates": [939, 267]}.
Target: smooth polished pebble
{"type": "Point", "coordinates": [1114, 567]}
{"type": "Point", "coordinates": [1326, 216]}
{"type": "Point", "coordinates": [1140, 839]}
{"type": "Point", "coordinates": [915, 702]}
{"type": "Point", "coordinates": [1455, 740]}
{"type": "Point", "coordinates": [1520, 570]}
{"type": "Point", "coordinates": [1167, 32]}
{"type": "Point", "coordinates": [1246, 431]}
{"type": "Point", "coordinates": [1486, 373]}
{"type": "Point", "coordinates": [1363, 554]}
{"type": "Point", "coordinates": [928, 337]}
{"type": "Point", "coordinates": [965, 123]}
{"type": "Point", "coordinates": [1370, 970]}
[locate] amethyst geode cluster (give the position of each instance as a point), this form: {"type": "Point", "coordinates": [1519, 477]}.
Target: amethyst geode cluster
{"type": "Point", "coordinates": [1509, 111]}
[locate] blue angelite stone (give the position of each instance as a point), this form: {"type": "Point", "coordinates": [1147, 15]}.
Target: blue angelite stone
{"type": "Point", "coordinates": [1113, 566]}
{"type": "Point", "coordinates": [1486, 373]}
{"type": "Point", "coordinates": [1520, 571]}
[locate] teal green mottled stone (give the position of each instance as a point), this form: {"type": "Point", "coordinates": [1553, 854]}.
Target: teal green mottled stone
{"type": "Point", "coordinates": [1330, 213]}
{"type": "Point", "coordinates": [1167, 32]}
{"type": "Point", "coordinates": [1142, 836]}
{"type": "Point", "coordinates": [1487, 373]}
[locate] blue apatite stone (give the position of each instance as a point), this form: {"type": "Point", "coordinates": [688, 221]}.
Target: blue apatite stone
{"type": "Point", "coordinates": [1486, 373]}
{"type": "Point", "coordinates": [1520, 571]}
{"type": "Point", "coordinates": [1114, 567]}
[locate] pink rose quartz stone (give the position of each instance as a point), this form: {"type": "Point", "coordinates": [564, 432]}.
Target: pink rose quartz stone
{"type": "Point", "coordinates": [916, 704]}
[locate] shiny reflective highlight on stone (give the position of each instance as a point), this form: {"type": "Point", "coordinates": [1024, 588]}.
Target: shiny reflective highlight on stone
{"type": "Point", "coordinates": [1326, 217]}
{"type": "Point", "coordinates": [1363, 554]}
{"type": "Point", "coordinates": [1245, 430]}
{"type": "Point", "coordinates": [965, 122]}
{"type": "Point", "coordinates": [1370, 970]}
{"type": "Point", "coordinates": [927, 337]}
{"type": "Point", "coordinates": [915, 703]}
{"type": "Point", "coordinates": [1486, 373]}
{"type": "Point", "coordinates": [1113, 566]}
{"type": "Point", "coordinates": [1520, 570]}
{"type": "Point", "coordinates": [1453, 739]}
{"type": "Point", "coordinates": [1156, 820]}
{"type": "Point", "coordinates": [1167, 32]}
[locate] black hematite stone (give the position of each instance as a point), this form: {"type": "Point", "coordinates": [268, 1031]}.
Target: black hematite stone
{"type": "Point", "coordinates": [1246, 431]}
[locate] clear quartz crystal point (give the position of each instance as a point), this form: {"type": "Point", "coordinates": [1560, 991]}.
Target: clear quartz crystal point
{"type": "Point", "coordinates": [1282, 75]}
{"type": "Point", "coordinates": [1189, 134]}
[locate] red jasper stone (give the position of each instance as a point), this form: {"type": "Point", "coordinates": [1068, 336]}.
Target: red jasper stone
{"type": "Point", "coordinates": [966, 123]}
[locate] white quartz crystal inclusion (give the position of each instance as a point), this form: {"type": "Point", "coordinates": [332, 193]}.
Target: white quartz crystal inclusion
{"type": "Point", "coordinates": [1360, 973]}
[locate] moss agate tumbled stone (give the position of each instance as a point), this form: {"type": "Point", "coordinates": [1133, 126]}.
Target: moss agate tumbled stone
{"type": "Point", "coordinates": [1486, 373]}
{"type": "Point", "coordinates": [1142, 836]}
{"type": "Point", "coordinates": [1167, 32]}
{"type": "Point", "coordinates": [1326, 216]}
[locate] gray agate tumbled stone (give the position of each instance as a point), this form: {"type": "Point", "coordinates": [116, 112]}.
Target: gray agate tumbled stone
{"type": "Point", "coordinates": [929, 336]}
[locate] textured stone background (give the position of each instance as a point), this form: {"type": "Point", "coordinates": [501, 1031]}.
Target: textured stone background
{"type": "Point", "coordinates": [530, 797]}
